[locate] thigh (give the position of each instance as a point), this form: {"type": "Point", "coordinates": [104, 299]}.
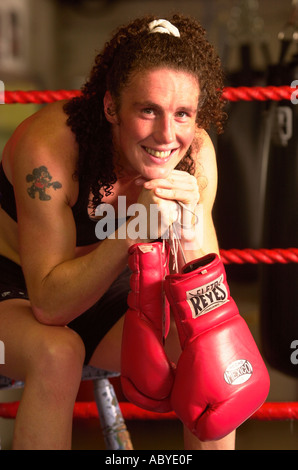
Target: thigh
{"type": "Point", "coordinates": [101, 326]}
{"type": "Point", "coordinates": [107, 354]}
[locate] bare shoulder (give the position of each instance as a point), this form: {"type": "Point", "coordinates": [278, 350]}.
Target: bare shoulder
{"type": "Point", "coordinates": [43, 140]}
{"type": "Point", "coordinates": [203, 154]}
{"type": "Point", "coordinates": [47, 128]}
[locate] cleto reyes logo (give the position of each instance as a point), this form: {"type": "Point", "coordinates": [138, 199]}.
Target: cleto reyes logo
{"type": "Point", "coordinates": [208, 297]}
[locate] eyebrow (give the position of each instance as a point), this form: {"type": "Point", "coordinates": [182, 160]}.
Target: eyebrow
{"type": "Point", "coordinates": [146, 104]}
{"type": "Point", "coordinates": [151, 104]}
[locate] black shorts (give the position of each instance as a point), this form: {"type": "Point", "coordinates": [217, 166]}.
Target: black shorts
{"type": "Point", "coordinates": [93, 324]}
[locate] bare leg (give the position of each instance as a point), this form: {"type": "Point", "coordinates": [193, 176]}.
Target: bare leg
{"type": "Point", "coordinates": [50, 360]}
{"type": "Point", "coordinates": [192, 443]}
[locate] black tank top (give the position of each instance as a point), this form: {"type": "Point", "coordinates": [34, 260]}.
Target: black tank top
{"type": "Point", "coordinates": [84, 224]}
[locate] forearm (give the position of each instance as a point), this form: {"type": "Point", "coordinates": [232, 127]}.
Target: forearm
{"type": "Point", "coordinates": [75, 285]}
{"type": "Point", "coordinates": [197, 239]}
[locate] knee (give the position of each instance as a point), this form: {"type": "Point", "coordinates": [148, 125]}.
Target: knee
{"type": "Point", "coordinates": [59, 356]}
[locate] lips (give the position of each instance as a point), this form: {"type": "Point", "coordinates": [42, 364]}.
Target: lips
{"type": "Point", "coordinates": [158, 153]}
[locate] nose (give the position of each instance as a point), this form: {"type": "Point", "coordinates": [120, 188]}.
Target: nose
{"type": "Point", "coordinates": [164, 132]}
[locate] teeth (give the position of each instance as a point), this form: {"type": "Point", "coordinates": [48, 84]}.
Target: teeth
{"type": "Point", "coordinates": [158, 154]}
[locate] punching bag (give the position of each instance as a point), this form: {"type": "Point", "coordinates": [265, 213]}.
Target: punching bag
{"type": "Point", "coordinates": [246, 57]}
{"type": "Point", "coordinates": [279, 287]}
{"type": "Point", "coordinates": [239, 168]}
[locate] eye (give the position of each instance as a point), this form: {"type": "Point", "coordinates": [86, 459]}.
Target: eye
{"type": "Point", "coordinates": [148, 111]}
{"type": "Point", "coordinates": [182, 114]}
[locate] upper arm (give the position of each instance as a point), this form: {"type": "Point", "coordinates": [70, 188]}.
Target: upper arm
{"type": "Point", "coordinates": [207, 179]}
{"type": "Point", "coordinates": [206, 168]}
{"type": "Point", "coordinates": [43, 186]}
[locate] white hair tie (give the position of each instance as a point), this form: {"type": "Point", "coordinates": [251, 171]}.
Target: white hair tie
{"type": "Point", "coordinates": [163, 26]}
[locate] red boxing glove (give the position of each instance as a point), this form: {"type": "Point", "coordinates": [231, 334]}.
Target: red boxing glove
{"type": "Point", "coordinates": [221, 378]}
{"type": "Point", "coordinates": [146, 374]}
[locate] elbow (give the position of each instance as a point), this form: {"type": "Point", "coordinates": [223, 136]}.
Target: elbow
{"type": "Point", "coordinates": [47, 317]}
{"type": "Point", "coordinates": [46, 309]}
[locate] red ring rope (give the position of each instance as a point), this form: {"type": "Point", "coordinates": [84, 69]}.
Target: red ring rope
{"type": "Point", "coordinates": [257, 93]}
{"type": "Point", "coordinates": [86, 410]}
{"type": "Point", "coordinates": [262, 255]}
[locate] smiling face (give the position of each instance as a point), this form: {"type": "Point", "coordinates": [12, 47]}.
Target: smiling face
{"type": "Point", "coordinates": [156, 122]}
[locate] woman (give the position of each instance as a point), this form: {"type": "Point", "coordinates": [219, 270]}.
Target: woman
{"type": "Point", "coordinates": [139, 131]}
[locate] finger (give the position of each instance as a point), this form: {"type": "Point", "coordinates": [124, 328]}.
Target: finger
{"type": "Point", "coordinates": [163, 183]}
{"type": "Point", "coordinates": [183, 195]}
{"type": "Point", "coordinates": [181, 175]}
{"type": "Point", "coordinates": [184, 181]}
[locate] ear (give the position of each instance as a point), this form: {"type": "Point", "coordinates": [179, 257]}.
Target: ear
{"type": "Point", "coordinates": [110, 108]}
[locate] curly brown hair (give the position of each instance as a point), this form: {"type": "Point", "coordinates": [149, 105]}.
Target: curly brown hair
{"type": "Point", "coordinates": [133, 49]}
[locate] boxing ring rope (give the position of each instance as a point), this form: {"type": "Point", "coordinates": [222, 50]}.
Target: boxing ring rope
{"type": "Point", "coordinates": [261, 255]}
{"type": "Point", "coordinates": [274, 93]}
{"type": "Point", "coordinates": [275, 411]}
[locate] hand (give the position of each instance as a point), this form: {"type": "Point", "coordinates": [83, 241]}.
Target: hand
{"type": "Point", "coordinates": [182, 188]}
{"type": "Point", "coordinates": [159, 213]}
{"type": "Point", "coordinates": [179, 186]}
